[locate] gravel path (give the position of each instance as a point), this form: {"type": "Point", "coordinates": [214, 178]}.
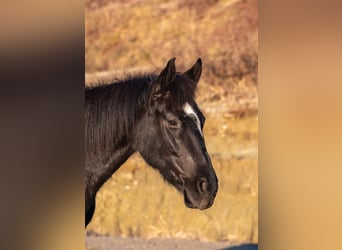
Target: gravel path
{"type": "Point", "coordinates": [110, 243]}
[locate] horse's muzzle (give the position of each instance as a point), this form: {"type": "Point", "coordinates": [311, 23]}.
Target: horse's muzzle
{"type": "Point", "coordinates": [202, 196]}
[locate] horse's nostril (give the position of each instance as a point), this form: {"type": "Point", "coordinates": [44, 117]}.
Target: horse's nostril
{"type": "Point", "coordinates": [202, 186]}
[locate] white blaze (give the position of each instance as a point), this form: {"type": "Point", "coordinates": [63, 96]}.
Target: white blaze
{"type": "Point", "coordinates": [190, 111]}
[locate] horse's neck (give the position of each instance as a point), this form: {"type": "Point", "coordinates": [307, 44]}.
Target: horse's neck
{"type": "Point", "coordinates": [102, 163]}
{"type": "Point", "coordinates": [99, 168]}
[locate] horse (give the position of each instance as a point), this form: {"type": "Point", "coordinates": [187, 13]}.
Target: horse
{"type": "Point", "coordinates": [157, 116]}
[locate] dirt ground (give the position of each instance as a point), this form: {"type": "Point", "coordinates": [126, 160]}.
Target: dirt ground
{"type": "Point", "coordinates": [94, 242]}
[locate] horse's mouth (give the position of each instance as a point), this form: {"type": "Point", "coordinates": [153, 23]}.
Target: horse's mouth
{"type": "Point", "coordinates": [187, 201]}
{"type": "Point", "coordinates": [204, 203]}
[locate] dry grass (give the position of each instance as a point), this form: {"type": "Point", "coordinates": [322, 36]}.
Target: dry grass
{"type": "Point", "coordinates": [138, 35]}
{"type": "Point", "coordinates": [137, 202]}
{"type": "Point", "coordinates": [144, 34]}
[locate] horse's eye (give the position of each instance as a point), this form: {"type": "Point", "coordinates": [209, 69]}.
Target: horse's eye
{"type": "Point", "coordinates": [173, 123]}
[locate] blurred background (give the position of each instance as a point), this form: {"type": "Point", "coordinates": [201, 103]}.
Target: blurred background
{"type": "Point", "coordinates": [131, 36]}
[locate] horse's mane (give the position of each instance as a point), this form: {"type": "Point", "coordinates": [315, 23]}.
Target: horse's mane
{"type": "Point", "coordinates": [112, 109]}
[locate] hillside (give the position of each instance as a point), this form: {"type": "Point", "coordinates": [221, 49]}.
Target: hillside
{"type": "Point", "coordinates": [144, 35]}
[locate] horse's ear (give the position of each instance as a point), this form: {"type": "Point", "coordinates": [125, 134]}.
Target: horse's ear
{"type": "Point", "coordinates": [195, 72]}
{"type": "Point", "coordinates": [167, 76]}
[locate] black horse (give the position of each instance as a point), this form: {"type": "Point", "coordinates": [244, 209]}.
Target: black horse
{"type": "Point", "coordinates": [157, 116]}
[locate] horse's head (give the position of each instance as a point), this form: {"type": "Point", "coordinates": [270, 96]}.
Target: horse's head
{"type": "Point", "coordinates": [169, 136]}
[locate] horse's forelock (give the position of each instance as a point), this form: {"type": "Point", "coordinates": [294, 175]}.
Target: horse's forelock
{"type": "Point", "coordinates": [182, 91]}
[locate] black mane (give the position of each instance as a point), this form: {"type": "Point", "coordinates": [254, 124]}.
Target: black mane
{"type": "Point", "coordinates": [112, 109]}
